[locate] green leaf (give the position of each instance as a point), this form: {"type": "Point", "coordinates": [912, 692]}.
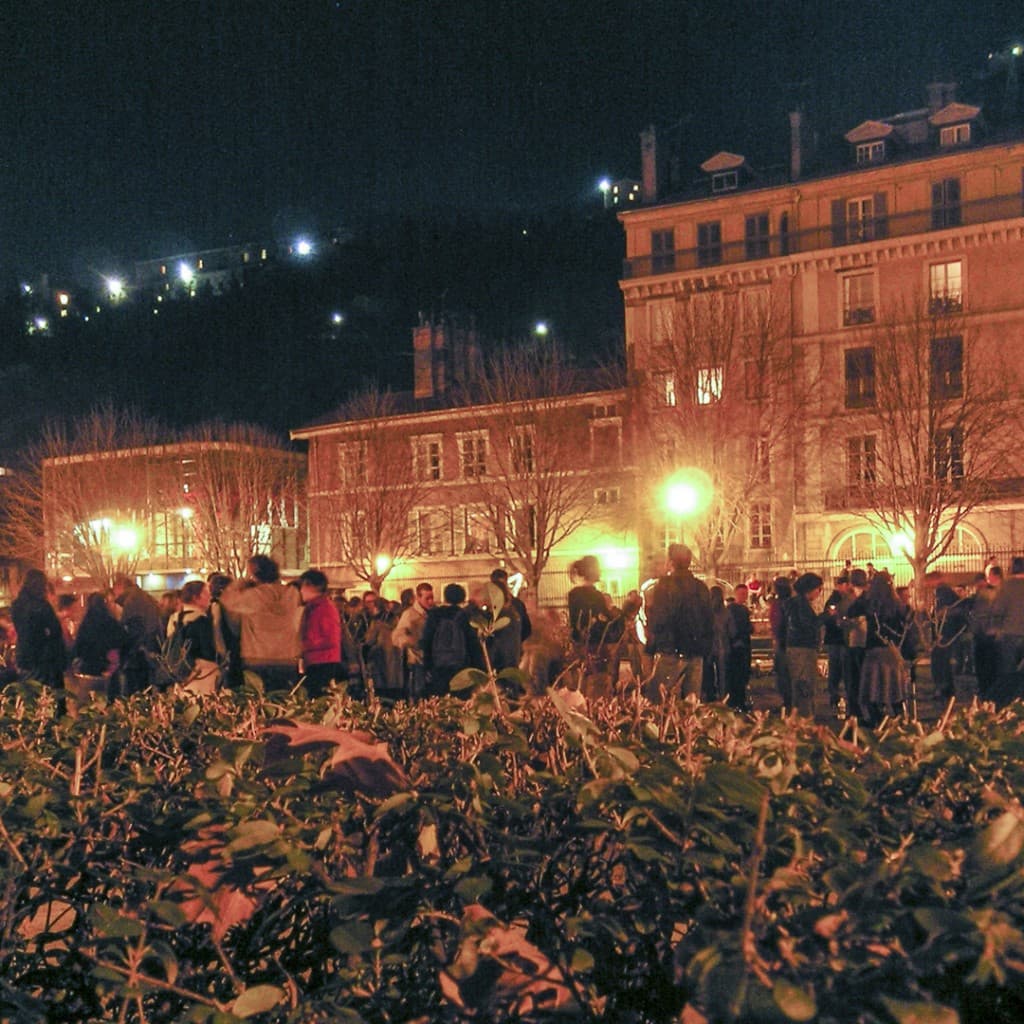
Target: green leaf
{"type": "Point", "coordinates": [466, 679]}
{"type": "Point", "coordinates": [253, 833]}
{"type": "Point", "coordinates": [353, 939]}
{"type": "Point", "coordinates": [582, 960]}
{"type": "Point", "coordinates": [393, 803]}
{"type": "Point", "coordinates": [793, 1001]}
{"type": "Point", "coordinates": [169, 913]}
{"type": "Point", "coordinates": [110, 924]}
{"type": "Point", "coordinates": [257, 999]}
{"type": "Point", "coordinates": [1000, 844]}
{"type": "Point", "coordinates": [920, 1013]}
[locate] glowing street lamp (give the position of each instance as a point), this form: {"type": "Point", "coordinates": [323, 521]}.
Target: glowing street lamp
{"type": "Point", "coordinates": [605, 187]}
{"type": "Point", "coordinates": [688, 494]}
{"type": "Point", "coordinates": [303, 247]}
{"type": "Point", "coordinates": [540, 328]}
{"type": "Point", "coordinates": [115, 289]}
{"type": "Point", "coordinates": [124, 539]}
{"type": "Point", "coordinates": [382, 563]}
{"type": "Point", "coordinates": [186, 274]}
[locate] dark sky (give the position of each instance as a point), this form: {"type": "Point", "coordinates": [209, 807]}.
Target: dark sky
{"type": "Point", "coordinates": [136, 128]}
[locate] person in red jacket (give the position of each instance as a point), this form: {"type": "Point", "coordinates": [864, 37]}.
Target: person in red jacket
{"type": "Point", "coordinates": [320, 634]}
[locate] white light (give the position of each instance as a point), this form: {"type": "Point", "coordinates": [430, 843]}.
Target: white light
{"type": "Point", "coordinates": [41, 323]}
{"type": "Point", "coordinates": [382, 563]}
{"type": "Point", "coordinates": [303, 247]}
{"type": "Point", "coordinates": [26, 288]}
{"type": "Point", "coordinates": [540, 328]}
{"type": "Point", "coordinates": [115, 288]}
{"type": "Point", "coordinates": [185, 512]}
{"type": "Point", "coordinates": [67, 579]}
{"type": "Point", "coordinates": [124, 538]}
{"type": "Point", "coordinates": [337, 318]}
{"type": "Point", "coordinates": [185, 273]}
{"type": "Point", "coordinates": [604, 185]}
{"type": "Point", "coordinates": [63, 298]}
{"type": "Point", "coordinates": [1017, 50]}
{"type": "Point", "coordinates": [902, 543]}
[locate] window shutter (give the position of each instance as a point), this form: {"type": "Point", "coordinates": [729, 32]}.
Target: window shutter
{"type": "Point", "coordinates": [839, 222]}
{"type": "Point", "coordinates": [881, 216]}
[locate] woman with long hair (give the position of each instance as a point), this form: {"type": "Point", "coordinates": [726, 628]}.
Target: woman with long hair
{"type": "Point", "coordinates": [883, 681]}
{"type": "Point", "coordinates": [41, 653]}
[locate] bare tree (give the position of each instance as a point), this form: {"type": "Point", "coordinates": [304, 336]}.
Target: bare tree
{"type": "Point", "coordinates": [364, 502]}
{"type": "Point", "coordinates": [718, 401]}
{"type": "Point", "coordinates": [242, 489]}
{"type": "Point", "coordinates": [942, 411]}
{"type": "Point", "coordinates": [538, 488]}
{"type": "Point", "coordinates": [72, 505]}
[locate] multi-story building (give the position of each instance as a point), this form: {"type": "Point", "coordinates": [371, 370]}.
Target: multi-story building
{"type": "Point", "coordinates": [456, 478]}
{"type": "Point", "coordinates": [166, 512]}
{"type": "Point", "coordinates": [187, 272]}
{"type": "Point", "coordinates": [782, 309]}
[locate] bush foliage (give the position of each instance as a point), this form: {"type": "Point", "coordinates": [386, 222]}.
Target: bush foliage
{"type": "Point", "coordinates": [245, 857]}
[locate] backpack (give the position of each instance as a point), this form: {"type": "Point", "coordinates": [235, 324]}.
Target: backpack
{"type": "Point", "coordinates": [449, 647]}
{"type": "Point", "coordinates": [176, 655]}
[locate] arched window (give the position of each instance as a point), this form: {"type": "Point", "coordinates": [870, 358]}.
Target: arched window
{"type": "Point", "coordinates": [864, 543]}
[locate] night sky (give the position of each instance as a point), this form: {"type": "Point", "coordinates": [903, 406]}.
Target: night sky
{"type": "Point", "coordinates": [132, 129]}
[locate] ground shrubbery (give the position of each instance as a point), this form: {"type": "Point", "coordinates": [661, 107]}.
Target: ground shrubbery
{"type": "Point", "coordinates": [253, 858]}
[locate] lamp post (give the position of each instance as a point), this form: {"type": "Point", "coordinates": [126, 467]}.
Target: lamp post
{"type": "Point", "coordinates": [688, 493]}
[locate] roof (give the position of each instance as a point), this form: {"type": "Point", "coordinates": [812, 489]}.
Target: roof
{"type": "Point", "coordinates": [869, 131]}
{"type": "Point", "coordinates": [578, 382]}
{"type": "Point", "coordinates": [954, 113]}
{"type": "Point", "coordinates": [723, 161]}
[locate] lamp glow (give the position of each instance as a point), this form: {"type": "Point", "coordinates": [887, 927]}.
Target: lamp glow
{"type": "Point", "coordinates": [382, 563]}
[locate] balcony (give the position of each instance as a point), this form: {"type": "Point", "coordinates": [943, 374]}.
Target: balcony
{"type": "Point", "coordinates": [901, 225]}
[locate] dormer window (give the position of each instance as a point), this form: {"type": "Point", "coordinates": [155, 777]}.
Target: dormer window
{"type": "Point", "coordinates": [871, 152]}
{"type": "Point", "coordinates": [955, 135]}
{"type": "Point", "coordinates": [725, 181]}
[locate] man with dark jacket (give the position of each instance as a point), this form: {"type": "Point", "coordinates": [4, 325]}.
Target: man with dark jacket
{"type": "Point", "coordinates": [680, 629]}
{"type": "Point", "coordinates": [803, 633]}
{"type": "Point", "coordinates": [140, 617]}
{"type": "Point", "coordinates": [835, 641]}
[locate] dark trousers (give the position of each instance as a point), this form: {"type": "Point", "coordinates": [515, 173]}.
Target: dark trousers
{"type": "Point", "coordinates": [853, 662]}
{"type": "Point", "coordinates": [942, 670]}
{"type": "Point", "coordinates": [319, 676]}
{"type": "Point", "coordinates": [737, 675]}
{"type": "Point", "coordinates": [836, 675]}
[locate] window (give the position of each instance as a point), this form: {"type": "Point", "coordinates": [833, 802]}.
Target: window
{"type": "Point", "coordinates": [860, 219]}
{"type": "Point", "coordinates": [760, 524]}
{"type": "Point", "coordinates": [785, 236]}
{"type": "Point", "coordinates": [607, 495]}
{"type": "Point", "coordinates": [352, 464]}
{"type": "Point", "coordinates": [946, 203]}
{"type": "Point", "coordinates": [709, 385]}
{"type": "Point", "coordinates": [663, 251]}
{"type": "Point", "coordinates": [521, 528]}
{"type": "Point", "coordinates": [474, 532]}
{"type": "Point", "coordinates": [860, 377]}
{"type": "Point", "coordinates": [168, 538]}
{"type": "Point", "coordinates": [755, 384]}
{"type": "Point", "coordinates": [947, 367]}
{"type": "Point", "coordinates": [432, 532]}
{"type": "Point", "coordinates": [604, 412]}
{"type": "Point", "coordinates": [725, 181]}
{"type": "Point", "coordinates": [606, 442]}
{"type": "Point", "coordinates": [762, 459]}
{"type": "Point", "coordinates": [522, 443]}
{"type": "Point", "coordinates": [858, 299]}
{"type": "Point", "coordinates": [426, 454]}
{"type": "Point", "coordinates": [473, 455]}
{"type": "Point", "coordinates": [661, 318]}
{"type": "Point", "coordinates": [955, 135]}
{"type": "Point", "coordinates": [709, 243]}
{"type": "Point", "coordinates": [664, 387]}
{"type": "Point", "coordinates": [948, 448]}
{"type": "Point", "coordinates": [755, 236]}
{"type": "Point", "coordinates": [861, 462]}
{"type": "Point", "coordinates": [945, 287]}
{"type": "Point", "coordinates": [755, 310]}
{"type": "Point", "coordinates": [871, 152]}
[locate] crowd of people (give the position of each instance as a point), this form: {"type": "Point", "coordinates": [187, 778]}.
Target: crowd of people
{"type": "Point", "coordinates": [681, 638]}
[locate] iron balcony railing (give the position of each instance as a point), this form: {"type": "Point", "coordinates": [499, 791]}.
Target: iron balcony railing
{"type": "Point", "coordinates": [828, 236]}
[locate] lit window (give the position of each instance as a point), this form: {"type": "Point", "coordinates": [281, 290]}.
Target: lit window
{"type": "Point", "coordinates": [860, 377]}
{"type": "Point", "coordinates": [860, 219]}
{"type": "Point", "coordinates": [522, 442]}
{"type": "Point", "coordinates": [945, 287]}
{"type": "Point", "coordinates": [858, 299]}
{"type": "Point", "coordinates": [709, 385]}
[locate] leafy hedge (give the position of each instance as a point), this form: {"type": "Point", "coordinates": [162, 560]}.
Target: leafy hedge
{"type": "Point", "coordinates": [257, 858]}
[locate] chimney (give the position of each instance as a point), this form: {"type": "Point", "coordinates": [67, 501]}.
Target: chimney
{"type": "Point", "coordinates": [795, 144]}
{"type": "Point", "coordinates": [649, 165]}
{"type": "Point", "coordinates": [940, 94]}
{"type": "Point", "coordinates": [428, 352]}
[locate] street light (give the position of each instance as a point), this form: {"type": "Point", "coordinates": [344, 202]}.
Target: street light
{"type": "Point", "coordinates": [688, 494]}
{"type": "Point", "coordinates": [115, 289]}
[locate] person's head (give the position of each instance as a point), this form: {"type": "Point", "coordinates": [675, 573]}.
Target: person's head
{"type": "Point", "coordinates": [263, 569]}
{"type": "Point", "coordinates": [782, 588]}
{"type": "Point", "coordinates": [424, 595]}
{"type": "Point", "coordinates": [994, 576]}
{"type": "Point", "coordinates": [858, 579]}
{"type": "Point", "coordinates": [587, 568]}
{"type": "Point", "coordinates": [1017, 565]}
{"type": "Point", "coordinates": [66, 604]}
{"type": "Point", "coordinates": [809, 585]}
{"type": "Point", "coordinates": [454, 593]}
{"type": "Point", "coordinates": [880, 594]}
{"type": "Point", "coordinates": [842, 582]}
{"type": "Point", "coordinates": [717, 597]}
{"type": "Point", "coordinates": [196, 593]}
{"type": "Point", "coordinates": [171, 600]}
{"type": "Point", "coordinates": [370, 602]}
{"type": "Point", "coordinates": [312, 584]}
{"type": "Point", "coordinates": [97, 604]}
{"type": "Point", "coordinates": [632, 605]}
{"type": "Point", "coordinates": [680, 557]}
{"type": "Point", "coordinates": [218, 581]}
{"type": "Point", "coordinates": [122, 583]}
{"type": "Point", "coordinates": [740, 592]}
{"type": "Point", "coordinates": [35, 584]}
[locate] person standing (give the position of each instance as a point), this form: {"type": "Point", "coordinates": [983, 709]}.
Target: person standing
{"type": "Point", "coordinates": [40, 651]}
{"type": "Point", "coordinates": [782, 591]}
{"type": "Point", "coordinates": [855, 630]}
{"type": "Point", "coordinates": [738, 631]}
{"type": "Point", "coordinates": [884, 681]}
{"type": "Point", "coordinates": [1007, 625]}
{"type": "Point", "coordinates": [320, 634]}
{"type": "Point", "coordinates": [266, 615]}
{"type": "Point", "coordinates": [406, 636]}
{"type": "Point", "coordinates": [200, 669]}
{"type": "Point", "coordinates": [140, 616]}
{"type": "Point", "coordinates": [449, 642]}
{"type": "Point", "coordinates": [803, 635]}
{"type": "Point", "coordinates": [835, 642]}
{"type": "Point", "coordinates": [680, 629]}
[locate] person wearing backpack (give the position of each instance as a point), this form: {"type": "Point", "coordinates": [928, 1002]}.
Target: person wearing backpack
{"type": "Point", "coordinates": [191, 651]}
{"type": "Point", "coordinates": [448, 641]}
